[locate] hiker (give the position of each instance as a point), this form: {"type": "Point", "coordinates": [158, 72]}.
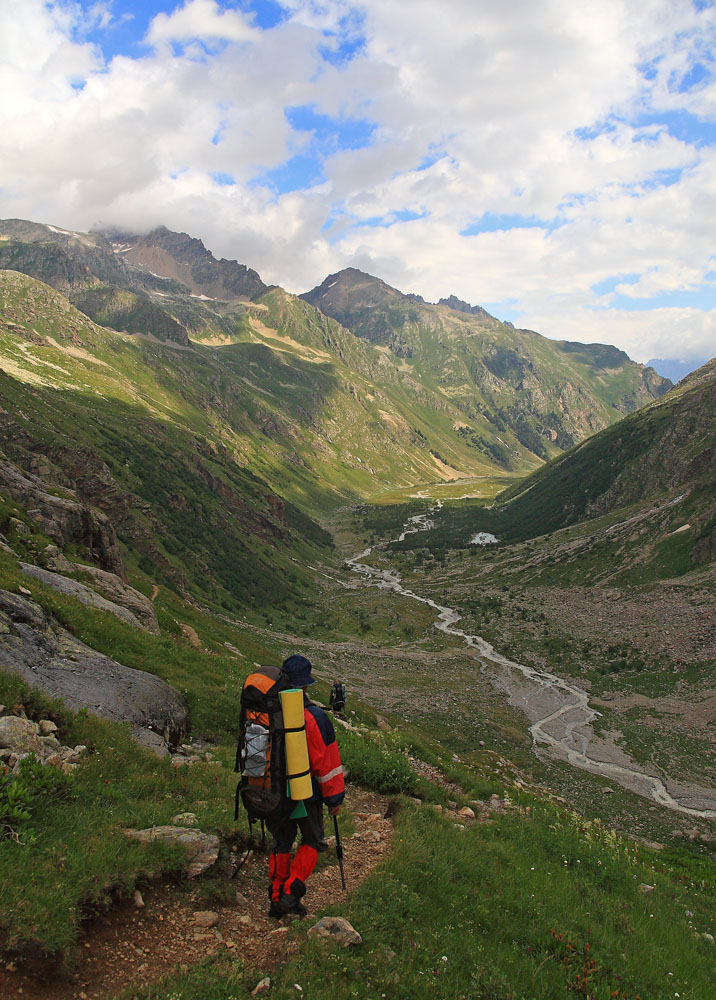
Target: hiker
{"type": "Point", "coordinates": [288, 876]}
{"type": "Point", "coordinates": [337, 699]}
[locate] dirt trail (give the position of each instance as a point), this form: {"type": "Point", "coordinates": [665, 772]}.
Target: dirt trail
{"type": "Point", "coordinates": [131, 946]}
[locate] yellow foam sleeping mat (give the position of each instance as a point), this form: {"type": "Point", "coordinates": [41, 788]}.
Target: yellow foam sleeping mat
{"type": "Point", "coordinates": [297, 763]}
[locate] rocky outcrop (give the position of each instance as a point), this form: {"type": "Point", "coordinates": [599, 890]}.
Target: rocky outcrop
{"type": "Point", "coordinates": [37, 648]}
{"type": "Point", "coordinates": [459, 305]}
{"type": "Point", "coordinates": [63, 519]}
{"type": "Point", "coordinates": [119, 592]}
{"type": "Point", "coordinates": [20, 737]}
{"type": "Point", "coordinates": [120, 608]}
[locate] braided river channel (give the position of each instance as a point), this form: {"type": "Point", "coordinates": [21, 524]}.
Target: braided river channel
{"type": "Point", "coordinates": [558, 710]}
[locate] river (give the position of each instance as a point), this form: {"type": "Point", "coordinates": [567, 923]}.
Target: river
{"type": "Point", "coordinates": [558, 710]}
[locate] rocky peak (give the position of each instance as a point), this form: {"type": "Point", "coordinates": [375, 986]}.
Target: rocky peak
{"type": "Point", "coordinates": [184, 258]}
{"type": "Point", "coordinates": [459, 305]}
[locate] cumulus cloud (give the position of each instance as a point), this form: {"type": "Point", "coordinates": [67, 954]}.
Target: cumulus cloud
{"type": "Point", "coordinates": [550, 156]}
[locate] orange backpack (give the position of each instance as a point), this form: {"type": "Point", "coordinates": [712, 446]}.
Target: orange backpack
{"type": "Point", "coordinates": [261, 751]}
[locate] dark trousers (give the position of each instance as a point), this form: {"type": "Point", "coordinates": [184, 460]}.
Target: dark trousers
{"type": "Point", "coordinates": [284, 831]}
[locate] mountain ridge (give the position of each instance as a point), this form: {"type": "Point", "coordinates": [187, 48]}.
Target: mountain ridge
{"type": "Point", "coordinates": [502, 411]}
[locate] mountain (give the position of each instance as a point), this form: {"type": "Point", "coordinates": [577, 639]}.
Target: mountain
{"type": "Point", "coordinates": [675, 368]}
{"type": "Point", "coordinates": [549, 394]}
{"type": "Point", "coordinates": [455, 391]}
{"type": "Point", "coordinates": [113, 281]}
{"type": "Point", "coordinates": [179, 256]}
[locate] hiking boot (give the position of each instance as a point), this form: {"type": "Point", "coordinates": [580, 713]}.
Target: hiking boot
{"type": "Point", "coordinates": [275, 909]}
{"type": "Point", "coordinates": [290, 902]}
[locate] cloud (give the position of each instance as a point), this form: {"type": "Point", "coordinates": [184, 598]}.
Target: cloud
{"type": "Point", "coordinates": [473, 116]}
{"type": "Point", "coordinates": [200, 19]}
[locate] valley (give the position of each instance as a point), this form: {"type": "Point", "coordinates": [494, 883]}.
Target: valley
{"type": "Point", "coordinates": [559, 712]}
{"type": "Point", "coordinates": [200, 473]}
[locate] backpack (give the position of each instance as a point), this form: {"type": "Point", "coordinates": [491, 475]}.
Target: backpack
{"type": "Point", "coordinates": [337, 700]}
{"type": "Point", "coordinates": [261, 750]}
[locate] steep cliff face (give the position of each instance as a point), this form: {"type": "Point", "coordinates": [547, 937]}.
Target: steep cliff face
{"type": "Point", "coordinates": [64, 519]}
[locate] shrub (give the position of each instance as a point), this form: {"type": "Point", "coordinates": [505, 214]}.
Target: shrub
{"type": "Point", "coordinates": [26, 790]}
{"type": "Point", "coordinates": [373, 765]}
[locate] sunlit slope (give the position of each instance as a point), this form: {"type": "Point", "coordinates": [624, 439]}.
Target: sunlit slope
{"type": "Point", "coordinates": [550, 395]}
{"type": "Point", "coordinates": [472, 394]}
{"type": "Point", "coordinates": [136, 284]}
{"type": "Point", "coordinates": [214, 463]}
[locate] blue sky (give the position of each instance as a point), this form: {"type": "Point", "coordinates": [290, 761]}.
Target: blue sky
{"type": "Point", "coordinates": [553, 162]}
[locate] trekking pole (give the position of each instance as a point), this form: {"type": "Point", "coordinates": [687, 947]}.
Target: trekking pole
{"type": "Point", "coordinates": [339, 852]}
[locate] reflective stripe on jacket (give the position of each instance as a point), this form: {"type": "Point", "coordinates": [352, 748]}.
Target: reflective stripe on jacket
{"type": "Point", "coordinates": [324, 758]}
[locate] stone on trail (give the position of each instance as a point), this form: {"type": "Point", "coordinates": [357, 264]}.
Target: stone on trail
{"type": "Point", "coordinates": [185, 819]}
{"type": "Point", "coordinates": [205, 918]}
{"type": "Point", "coordinates": [202, 849]}
{"type": "Point", "coordinates": [337, 929]}
{"type": "Point", "coordinates": [467, 813]}
{"type": "Point", "coordinates": [261, 987]}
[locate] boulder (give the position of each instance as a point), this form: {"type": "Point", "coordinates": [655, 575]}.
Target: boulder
{"type": "Point", "coordinates": [44, 654]}
{"type": "Point", "coordinates": [336, 929]}
{"type": "Point", "coordinates": [202, 849]}
{"type": "Point", "coordinates": [185, 819]}
{"type": "Point", "coordinates": [20, 736]}
{"type": "Point", "coordinates": [53, 559]}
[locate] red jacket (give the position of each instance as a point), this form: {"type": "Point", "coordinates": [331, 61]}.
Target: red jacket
{"type": "Point", "coordinates": [323, 756]}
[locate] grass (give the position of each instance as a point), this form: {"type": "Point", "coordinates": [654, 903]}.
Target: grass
{"type": "Point", "coordinates": [537, 905]}
{"type": "Point", "coordinates": [73, 857]}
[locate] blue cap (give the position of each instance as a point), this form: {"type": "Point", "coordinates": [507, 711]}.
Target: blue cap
{"type": "Point", "coordinates": [298, 669]}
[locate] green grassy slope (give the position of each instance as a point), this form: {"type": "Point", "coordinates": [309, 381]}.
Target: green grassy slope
{"type": "Point", "coordinates": [665, 447]}
{"type": "Point", "coordinates": [538, 902]}
{"type": "Point", "coordinates": [502, 397]}
{"type": "Point", "coordinates": [546, 395]}
{"type": "Point", "coordinates": [213, 463]}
